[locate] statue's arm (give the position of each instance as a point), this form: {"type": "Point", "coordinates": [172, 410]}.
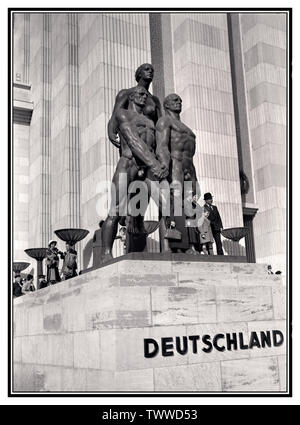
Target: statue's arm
{"type": "Point", "coordinates": [158, 108]}
{"type": "Point", "coordinates": [112, 127]}
{"type": "Point", "coordinates": [196, 186]}
{"type": "Point", "coordinates": [163, 133]}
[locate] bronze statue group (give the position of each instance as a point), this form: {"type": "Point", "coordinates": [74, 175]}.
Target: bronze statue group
{"type": "Point", "coordinates": [156, 147]}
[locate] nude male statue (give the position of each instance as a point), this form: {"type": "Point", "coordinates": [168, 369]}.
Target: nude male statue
{"type": "Point", "coordinates": [176, 146]}
{"type": "Point", "coordinates": [137, 137]}
{"type": "Point", "coordinates": [176, 143]}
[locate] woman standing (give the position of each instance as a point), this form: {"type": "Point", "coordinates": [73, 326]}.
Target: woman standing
{"type": "Point", "coordinates": [52, 262]}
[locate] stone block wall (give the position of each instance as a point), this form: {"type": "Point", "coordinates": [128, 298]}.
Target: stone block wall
{"type": "Point", "coordinates": [21, 131]}
{"type": "Point", "coordinates": [21, 191]}
{"type": "Point", "coordinates": [87, 334]}
{"type": "Point", "coordinates": [265, 62]}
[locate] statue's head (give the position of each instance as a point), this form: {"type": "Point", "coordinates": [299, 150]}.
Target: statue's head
{"type": "Point", "coordinates": [173, 102]}
{"type": "Point", "coordinates": [138, 95]}
{"type": "Point", "coordinates": [145, 71]}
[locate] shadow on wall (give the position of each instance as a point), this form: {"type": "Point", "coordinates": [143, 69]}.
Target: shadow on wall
{"type": "Point", "coordinates": [87, 254]}
{"type": "Point", "coordinates": [233, 248]}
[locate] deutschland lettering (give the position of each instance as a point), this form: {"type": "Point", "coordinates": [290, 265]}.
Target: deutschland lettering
{"type": "Point", "coordinates": [221, 342]}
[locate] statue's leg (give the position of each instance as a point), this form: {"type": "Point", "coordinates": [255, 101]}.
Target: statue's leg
{"type": "Point", "coordinates": [119, 198]}
{"type": "Point", "coordinates": [160, 193]}
{"type": "Point", "coordinates": [195, 183]}
{"type": "Point", "coordinates": [109, 232]}
{"type": "Point", "coordinates": [177, 185]}
{"type": "Point", "coordinates": [137, 236]}
{"type": "Point", "coordinates": [137, 219]}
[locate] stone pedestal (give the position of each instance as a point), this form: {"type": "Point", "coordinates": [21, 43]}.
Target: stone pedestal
{"type": "Point", "coordinates": [89, 333]}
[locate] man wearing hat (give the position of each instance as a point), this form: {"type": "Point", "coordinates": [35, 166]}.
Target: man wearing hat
{"type": "Point", "coordinates": [52, 262]}
{"type": "Point", "coordinates": [215, 221]}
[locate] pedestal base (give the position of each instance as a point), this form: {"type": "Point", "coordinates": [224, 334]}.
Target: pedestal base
{"type": "Point", "coordinates": [98, 331]}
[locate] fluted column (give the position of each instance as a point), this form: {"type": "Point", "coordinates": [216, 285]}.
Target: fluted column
{"type": "Point", "coordinates": [22, 111]}
{"type": "Point", "coordinates": [65, 143]}
{"type": "Point", "coordinates": [265, 58]}
{"type": "Point", "coordinates": [46, 132]}
{"type": "Point", "coordinates": [161, 54]}
{"type": "Point", "coordinates": [73, 121]}
{"type": "Point", "coordinates": [40, 130]}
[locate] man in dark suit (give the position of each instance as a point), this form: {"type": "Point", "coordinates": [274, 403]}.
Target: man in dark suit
{"type": "Point", "coordinates": [215, 221]}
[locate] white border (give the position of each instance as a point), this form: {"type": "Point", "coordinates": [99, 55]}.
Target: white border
{"type": "Point", "coordinates": [3, 254]}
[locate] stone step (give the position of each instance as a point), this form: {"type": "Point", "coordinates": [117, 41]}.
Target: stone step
{"type": "Point", "coordinates": [165, 265]}
{"type": "Point", "coordinates": [151, 273]}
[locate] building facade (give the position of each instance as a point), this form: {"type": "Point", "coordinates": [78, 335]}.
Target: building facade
{"type": "Point", "coordinates": [230, 71]}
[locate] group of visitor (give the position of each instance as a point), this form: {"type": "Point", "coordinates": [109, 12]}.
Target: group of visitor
{"type": "Point", "coordinates": [22, 286]}
{"type": "Point", "coordinates": [199, 240]}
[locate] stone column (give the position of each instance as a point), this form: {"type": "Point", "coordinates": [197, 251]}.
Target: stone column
{"type": "Point", "coordinates": [264, 50]}
{"type": "Point", "coordinates": [73, 121]}
{"type": "Point", "coordinates": [240, 103]}
{"type": "Point", "coordinates": [162, 54]}
{"type": "Point", "coordinates": [65, 152]}
{"type": "Point", "coordinates": [163, 84]}
{"type": "Point", "coordinates": [26, 75]}
{"type": "Point", "coordinates": [22, 112]}
{"type": "Point", "coordinates": [241, 113]}
{"type": "Point", "coordinates": [21, 47]}
{"type": "Point", "coordinates": [40, 130]}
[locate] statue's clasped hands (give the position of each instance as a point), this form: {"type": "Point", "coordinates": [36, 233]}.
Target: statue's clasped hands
{"type": "Point", "coordinates": [160, 171]}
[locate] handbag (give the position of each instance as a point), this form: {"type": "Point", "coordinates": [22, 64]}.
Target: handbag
{"type": "Point", "coordinates": [173, 234]}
